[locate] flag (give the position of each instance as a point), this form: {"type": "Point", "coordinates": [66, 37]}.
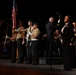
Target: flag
{"type": "Point", "coordinates": [14, 15]}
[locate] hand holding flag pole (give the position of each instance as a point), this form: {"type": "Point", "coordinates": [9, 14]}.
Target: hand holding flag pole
{"type": "Point", "coordinates": [13, 22]}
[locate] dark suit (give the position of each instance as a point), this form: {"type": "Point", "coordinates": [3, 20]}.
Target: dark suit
{"type": "Point", "coordinates": [68, 50]}
{"type": "Point", "coordinates": [50, 27]}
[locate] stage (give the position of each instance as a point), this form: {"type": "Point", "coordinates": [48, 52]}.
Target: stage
{"type": "Point", "coordinates": [7, 68]}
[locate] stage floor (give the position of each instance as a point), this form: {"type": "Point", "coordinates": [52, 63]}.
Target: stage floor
{"type": "Point", "coordinates": [56, 69]}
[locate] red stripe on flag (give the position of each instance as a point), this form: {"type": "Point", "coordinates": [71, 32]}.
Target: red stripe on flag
{"type": "Point", "coordinates": [14, 17]}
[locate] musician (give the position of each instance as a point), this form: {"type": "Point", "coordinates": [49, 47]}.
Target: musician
{"type": "Point", "coordinates": [28, 30]}
{"type": "Point", "coordinates": [28, 37]}
{"type": "Point", "coordinates": [20, 41]}
{"type": "Point", "coordinates": [74, 39]}
{"type": "Point", "coordinates": [67, 35]}
{"type": "Point", "coordinates": [57, 43]}
{"type": "Point", "coordinates": [34, 42]}
{"type": "Point", "coordinates": [50, 28]}
{"type": "Point", "coordinates": [12, 41]}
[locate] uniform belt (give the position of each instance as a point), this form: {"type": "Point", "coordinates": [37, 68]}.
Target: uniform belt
{"type": "Point", "coordinates": [13, 40]}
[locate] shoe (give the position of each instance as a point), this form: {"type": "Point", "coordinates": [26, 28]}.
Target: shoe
{"type": "Point", "coordinates": [34, 63]}
{"type": "Point", "coordinates": [13, 62]}
{"type": "Point", "coordinates": [19, 62]}
{"type": "Point", "coordinates": [28, 62]}
{"type": "Point", "coordinates": [67, 69]}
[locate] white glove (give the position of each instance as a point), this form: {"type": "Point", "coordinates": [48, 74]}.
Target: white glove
{"type": "Point", "coordinates": [59, 21]}
{"type": "Point", "coordinates": [16, 30]}
{"type": "Point", "coordinates": [30, 33]}
{"type": "Point", "coordinates": [7, 36]}
{"type": "Point", "coordinates": [23, 42]}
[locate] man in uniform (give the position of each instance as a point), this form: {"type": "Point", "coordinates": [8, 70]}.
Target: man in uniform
{"type": "Point", "coordinates": [13, 48]}
{"type": "Point", "coordinates": [28, 31]}
{"type": "Point", "coordinates": [20, 41]}
{"type": "Point", "coordinates": [34, 42]}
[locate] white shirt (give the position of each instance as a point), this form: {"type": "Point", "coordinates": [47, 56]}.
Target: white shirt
{"type": "Point", "coordinates": [64, 27]}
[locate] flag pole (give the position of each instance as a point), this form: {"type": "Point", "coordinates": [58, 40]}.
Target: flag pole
{"type": "Point", "coordinates": [14, 15]}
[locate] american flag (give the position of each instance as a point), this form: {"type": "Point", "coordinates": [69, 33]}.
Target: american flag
{"type": "Point", "coordinates": [14, 15]}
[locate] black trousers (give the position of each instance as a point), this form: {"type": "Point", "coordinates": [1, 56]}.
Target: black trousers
{"type": "Point", "coordinates": [23, 55]}
{"type": "Point", "coordinates": [13, 52]}
{"type": "Point", "coordinates": [68, 56]}
{"type": "Point", "coordinates": [19, 46]}
{"type": "Point", "coordinates": [50, 46]}
{"type": "Point", "coordinates": [28, 53]}
{"type": "Point", "coordinates": [32, 52]}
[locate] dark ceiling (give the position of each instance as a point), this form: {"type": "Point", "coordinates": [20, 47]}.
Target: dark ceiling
{"type": "Point", "coordinates": [39, 10]}
{"type": "Point", "coordinates": [27, 8]}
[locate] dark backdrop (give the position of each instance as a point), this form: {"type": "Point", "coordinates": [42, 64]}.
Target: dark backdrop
{"type": "Point", "coordinates": [38, 10]}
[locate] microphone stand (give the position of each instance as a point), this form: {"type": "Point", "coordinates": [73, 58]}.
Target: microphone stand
{"type": "Point", "coordinates": [6, 23]}
{"type": "Point", "coordinates": [5, 41]}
